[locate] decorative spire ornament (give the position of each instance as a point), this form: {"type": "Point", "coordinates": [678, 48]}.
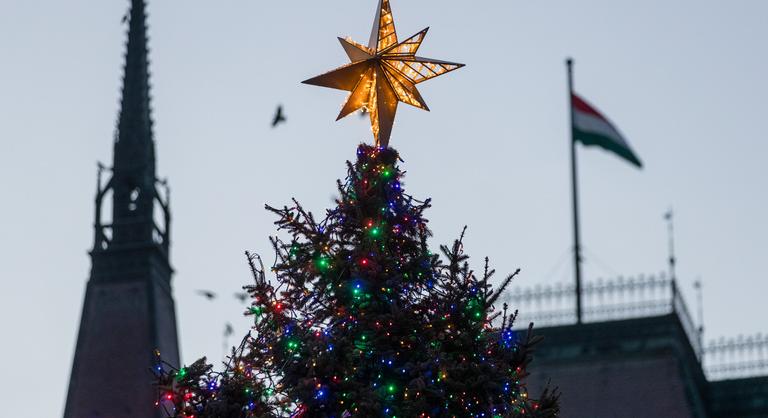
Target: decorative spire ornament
{"type": "Point", "coordinates": [382, 74]}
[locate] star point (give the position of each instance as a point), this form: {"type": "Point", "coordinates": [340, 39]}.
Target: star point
{"type": "Point", "coordinates": [382, 74]}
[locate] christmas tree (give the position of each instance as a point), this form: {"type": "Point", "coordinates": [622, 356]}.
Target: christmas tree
{"type": "Point", "coordinates": [363, 320]}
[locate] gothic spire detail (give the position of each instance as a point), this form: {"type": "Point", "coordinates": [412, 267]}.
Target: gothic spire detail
{"type": "Point", "coordinates": [134, 127]}
{"type": "Point", "coordinates": [133, 173]}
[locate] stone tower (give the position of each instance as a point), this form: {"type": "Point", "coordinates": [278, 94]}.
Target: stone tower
{"type": "Point", "coordinates": [129, 309]}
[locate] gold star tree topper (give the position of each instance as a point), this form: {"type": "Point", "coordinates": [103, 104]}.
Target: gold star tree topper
{"type": "Point", "coordinates": [382, 74]}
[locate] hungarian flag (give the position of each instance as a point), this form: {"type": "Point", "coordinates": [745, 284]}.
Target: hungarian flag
{"type": "Point", "coordinates": [592, 128]}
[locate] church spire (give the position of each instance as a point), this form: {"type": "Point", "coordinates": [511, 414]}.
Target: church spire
{"type": "Point", "coordinates": [128, 310]}
{"type": "Point", "coordinates": [133, 181]}
{"type": "Point", "coordinates": [135, 122]}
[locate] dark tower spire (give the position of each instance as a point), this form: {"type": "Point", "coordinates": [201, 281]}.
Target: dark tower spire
{"type": "Point", "coordinates": [128, 310]}
{"type": "Point", "coordinates": [133, 178]}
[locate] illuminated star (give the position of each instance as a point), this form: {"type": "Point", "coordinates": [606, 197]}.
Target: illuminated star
{"type": "Point", "coordinates": [382, 74]}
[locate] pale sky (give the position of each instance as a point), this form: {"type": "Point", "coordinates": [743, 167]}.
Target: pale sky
{"type": "Point", "coordinates": [684, 81]}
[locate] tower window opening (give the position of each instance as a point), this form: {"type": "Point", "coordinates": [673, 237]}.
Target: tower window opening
{"type": "Point", "coordinates": [133, 197]}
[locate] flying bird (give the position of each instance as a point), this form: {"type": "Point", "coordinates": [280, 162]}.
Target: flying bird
{"type": "Point", "coordinates": [241, 296]}
{"type": "Point", "coordinates": [279, 117]}
{"type": "Point", "coordinates": [207, 294]}
{"type": "Point", "coordinates": [125, 16]}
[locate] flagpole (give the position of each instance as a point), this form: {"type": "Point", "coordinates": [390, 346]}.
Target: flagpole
{"type": "Point", "coordinates": [575, 197]}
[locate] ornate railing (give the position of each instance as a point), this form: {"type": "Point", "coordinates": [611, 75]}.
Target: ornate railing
{"type": "Point", "coordinates": [643, 296]}
{"type": "Point", "coordinates": [736, 357]}
{"type": "Point", "coordinates": [604, 300]}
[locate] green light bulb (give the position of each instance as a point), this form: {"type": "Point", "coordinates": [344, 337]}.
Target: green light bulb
{"type": "Point", "coordinates": [323, 263]}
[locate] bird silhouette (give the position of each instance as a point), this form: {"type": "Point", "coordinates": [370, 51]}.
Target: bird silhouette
{"type": "Point", "coordinates": [279, 117]}
{"type": "Point", "coordinates": [207, 294]}
{"type": "Point", "coordinates": [126, 16]}
{"type": "Point", "coordinates": [241, 296]}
